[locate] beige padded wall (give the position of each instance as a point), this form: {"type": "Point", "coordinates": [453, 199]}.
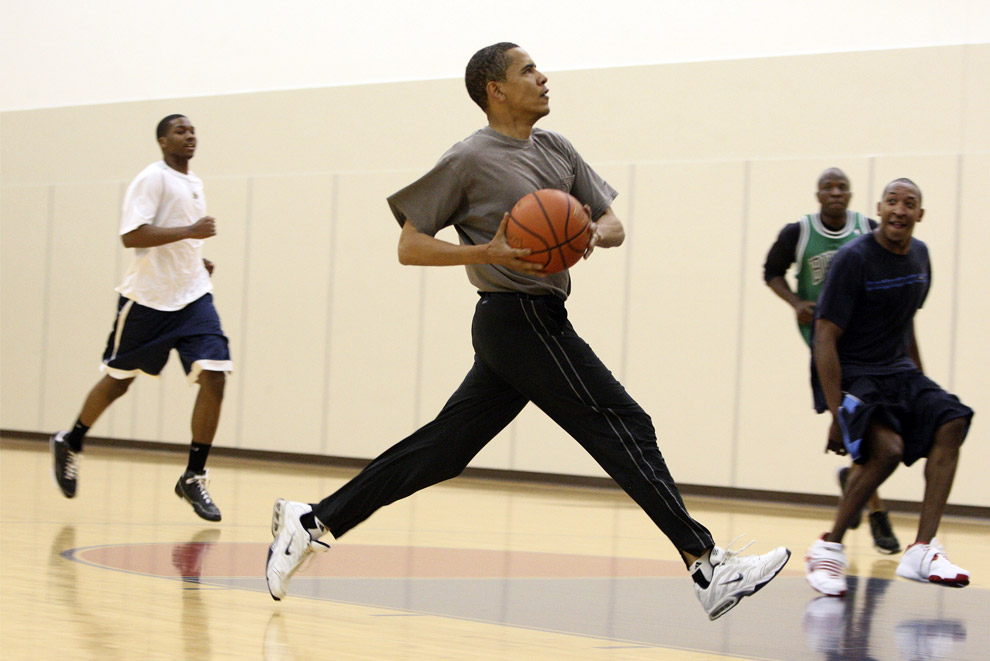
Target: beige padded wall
{"type": "Point", "coordinates": [24, 325]}
{"type": "Point", "coordinates": [339, 350]}
{"type": "Point", "coordinates": [970, 353]}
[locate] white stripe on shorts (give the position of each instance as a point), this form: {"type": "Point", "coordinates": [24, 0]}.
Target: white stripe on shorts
{"type": "Point", "coordinates": [121, 320]}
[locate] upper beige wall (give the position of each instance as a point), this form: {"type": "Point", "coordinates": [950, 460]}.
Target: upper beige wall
{"type": "Point", "coordinates": [883, 102]}
{"type": "Point", "coordinates": [340, 350]}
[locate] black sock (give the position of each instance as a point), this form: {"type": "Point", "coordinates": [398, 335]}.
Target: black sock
{"type": "Point", "coordinates": [702, 570]}
{"type": "Point", "coordinates": [75, 437]}
{"type": "Point", "coordinates": [313, 525]}
{"type": "Point", "coordinates": [198, 452]}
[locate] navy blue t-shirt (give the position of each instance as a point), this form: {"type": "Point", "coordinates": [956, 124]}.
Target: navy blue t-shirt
{"type": "Point", "coordinates": [873, 295]}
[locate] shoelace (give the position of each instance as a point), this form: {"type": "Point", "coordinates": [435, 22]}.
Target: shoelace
{"type": "Point", "coordinates": [311, 550]}
{"type": "Point", "coordinates": [71, 467]}
{"type": "Point", "coordinates": [732, 555]}
{"type": "Point", "coordinates": [201, 481]}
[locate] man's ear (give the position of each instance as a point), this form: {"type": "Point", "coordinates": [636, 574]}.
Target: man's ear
{"type": "Point", "coordinates": [494, 91]}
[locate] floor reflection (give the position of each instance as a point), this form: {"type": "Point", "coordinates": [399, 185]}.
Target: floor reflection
{"type": "Point", "coordinates": [188, 558]}
{"type": "Point", "coordinates": [276, 642]}
{"type": "Point", "coordinates": [842, 628]}
{"type": "Point", "coordinates": [63, 581]}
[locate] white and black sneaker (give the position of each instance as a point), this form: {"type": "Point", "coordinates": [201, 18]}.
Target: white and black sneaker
{"type": "Point", "coordinates": [191, 488]}
{"type": "Point", "coordinates": [733, 576]}
{"type": "Point", "coordinates": [65, 464]}
{"type": "Point", "coordinates": [292, 546]}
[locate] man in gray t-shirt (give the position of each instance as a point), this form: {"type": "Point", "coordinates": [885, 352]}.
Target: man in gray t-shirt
{"type": "Point", "coordinates": [525, 348]}
{"type": "Point", "coordinates": [473, 185]}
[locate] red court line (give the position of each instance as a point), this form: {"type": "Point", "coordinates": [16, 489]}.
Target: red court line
{"type": "Point", "coordinates": [216, 559]}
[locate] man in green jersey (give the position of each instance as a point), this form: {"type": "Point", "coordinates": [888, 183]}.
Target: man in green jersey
{"type": "Point", "coordinates": [809, 244]}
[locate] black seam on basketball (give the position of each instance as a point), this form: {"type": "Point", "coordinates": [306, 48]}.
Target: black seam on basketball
{"type": "Point", "coordinates": [546, 217]}
{"type": "Point", "coordinates": [567, 220]}
{"type": "Point", "coordinates": [553, 230]}
{"type": "Point", "coordinates": [519, 226]}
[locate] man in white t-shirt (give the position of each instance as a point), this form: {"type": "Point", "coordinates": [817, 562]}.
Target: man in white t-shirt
{"type": "Point", "coordinates": [165, 303]}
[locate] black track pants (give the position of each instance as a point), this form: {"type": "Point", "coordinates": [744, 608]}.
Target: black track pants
{"type": "Point", "coordinates": [526, 350]}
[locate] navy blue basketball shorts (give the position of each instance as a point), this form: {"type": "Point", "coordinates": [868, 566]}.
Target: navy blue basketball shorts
{"type": "Point", "coordinates": [910, 403]}
{"type": "Point", "coordinates": [142, 338]}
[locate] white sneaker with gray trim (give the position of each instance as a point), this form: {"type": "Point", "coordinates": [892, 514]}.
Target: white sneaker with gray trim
{"type": "Point", "coordinates": [735, 576]}
{"type": "Point", "coordinates": [292, 546]}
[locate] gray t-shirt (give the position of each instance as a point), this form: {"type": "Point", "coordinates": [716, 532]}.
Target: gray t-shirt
{"type": "Point", "coordinates": [480, 178]}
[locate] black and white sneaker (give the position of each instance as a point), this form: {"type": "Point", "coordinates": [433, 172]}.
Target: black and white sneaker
{"type": "Point", "coordinates": [191, 487]}
{"type": "Point", "coordinates": [735, 576]}
{"type": "Point", "coordinates": [883, 533]}
{"type": "Point", "coordinates": [293, 545]}
{"type": "Point", "coordinates": [65, 464]}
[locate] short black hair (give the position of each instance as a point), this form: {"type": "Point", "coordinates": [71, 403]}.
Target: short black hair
{"type": "Point", "coordinates": [163, 125]}
{"type": "Point", "coordinates": [488, 64]}
{"type": "Point", "coordinates": [830, 172]}
{"type": "Point", "coordinates": [903, 180]}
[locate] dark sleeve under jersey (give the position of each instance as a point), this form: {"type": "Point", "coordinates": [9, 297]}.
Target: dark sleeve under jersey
{"type": "Point", "coordinates": [843, 286]}
{"type": "Point", "coordinates": [781, 254]}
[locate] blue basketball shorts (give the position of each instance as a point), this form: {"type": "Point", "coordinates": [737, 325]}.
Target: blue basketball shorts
{"type": "Point", "coordinates": [142, 338]}
{"type": "Point", "coordinates": [909, 403]}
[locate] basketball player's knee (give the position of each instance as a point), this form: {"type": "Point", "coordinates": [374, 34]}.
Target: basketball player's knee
{"type": "Point", "coordinates": [888, 450]}
{"type": "Point", "coordinates": [450, 464]}
{"type": "Point", "coordinates": [952, 433]}
{"type": "Point", "coordinates": [118, 387]}
{"type": "Point", "coordinates": [214, 382]}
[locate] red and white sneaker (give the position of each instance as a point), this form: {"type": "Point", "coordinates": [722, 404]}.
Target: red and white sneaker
{"type": "Point", "coordinates": [825, 567]}
{"type": "Point", "coordinates": [929, 564]}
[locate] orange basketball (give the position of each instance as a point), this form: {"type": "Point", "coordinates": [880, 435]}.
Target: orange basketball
{"type": "Point", "coordinates": [553, 225]}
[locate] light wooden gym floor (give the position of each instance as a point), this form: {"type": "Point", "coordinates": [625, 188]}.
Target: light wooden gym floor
{"type": "Point", "coordinates": [469, 569]}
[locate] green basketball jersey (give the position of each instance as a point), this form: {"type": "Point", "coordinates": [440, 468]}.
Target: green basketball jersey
{"type": "Point", "coordinates": [816, 246]}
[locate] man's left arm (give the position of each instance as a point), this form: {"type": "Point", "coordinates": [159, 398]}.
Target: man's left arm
{"type": "Point", "coordinates": [606, 232]}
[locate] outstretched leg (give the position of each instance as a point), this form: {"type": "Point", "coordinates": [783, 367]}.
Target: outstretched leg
{"type": "Point", "coordinates": [66, 446]}
{"type": "Point", "coordinates": [106, 391]}
{"type": "Point", "coordinates": [477, 411]}
{"type": "Point", "coordinates": [480, 408]}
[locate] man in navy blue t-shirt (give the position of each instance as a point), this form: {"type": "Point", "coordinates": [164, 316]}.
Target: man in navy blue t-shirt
{"type": "Point", "coordinates": [869, 376]}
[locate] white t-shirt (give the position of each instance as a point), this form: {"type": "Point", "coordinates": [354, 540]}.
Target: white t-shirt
{"type": "Point", "coordinates": [170, 276]}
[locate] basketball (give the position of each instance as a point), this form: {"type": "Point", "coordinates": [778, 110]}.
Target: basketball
{"type": "Point", "coordinates": [553, 225]}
